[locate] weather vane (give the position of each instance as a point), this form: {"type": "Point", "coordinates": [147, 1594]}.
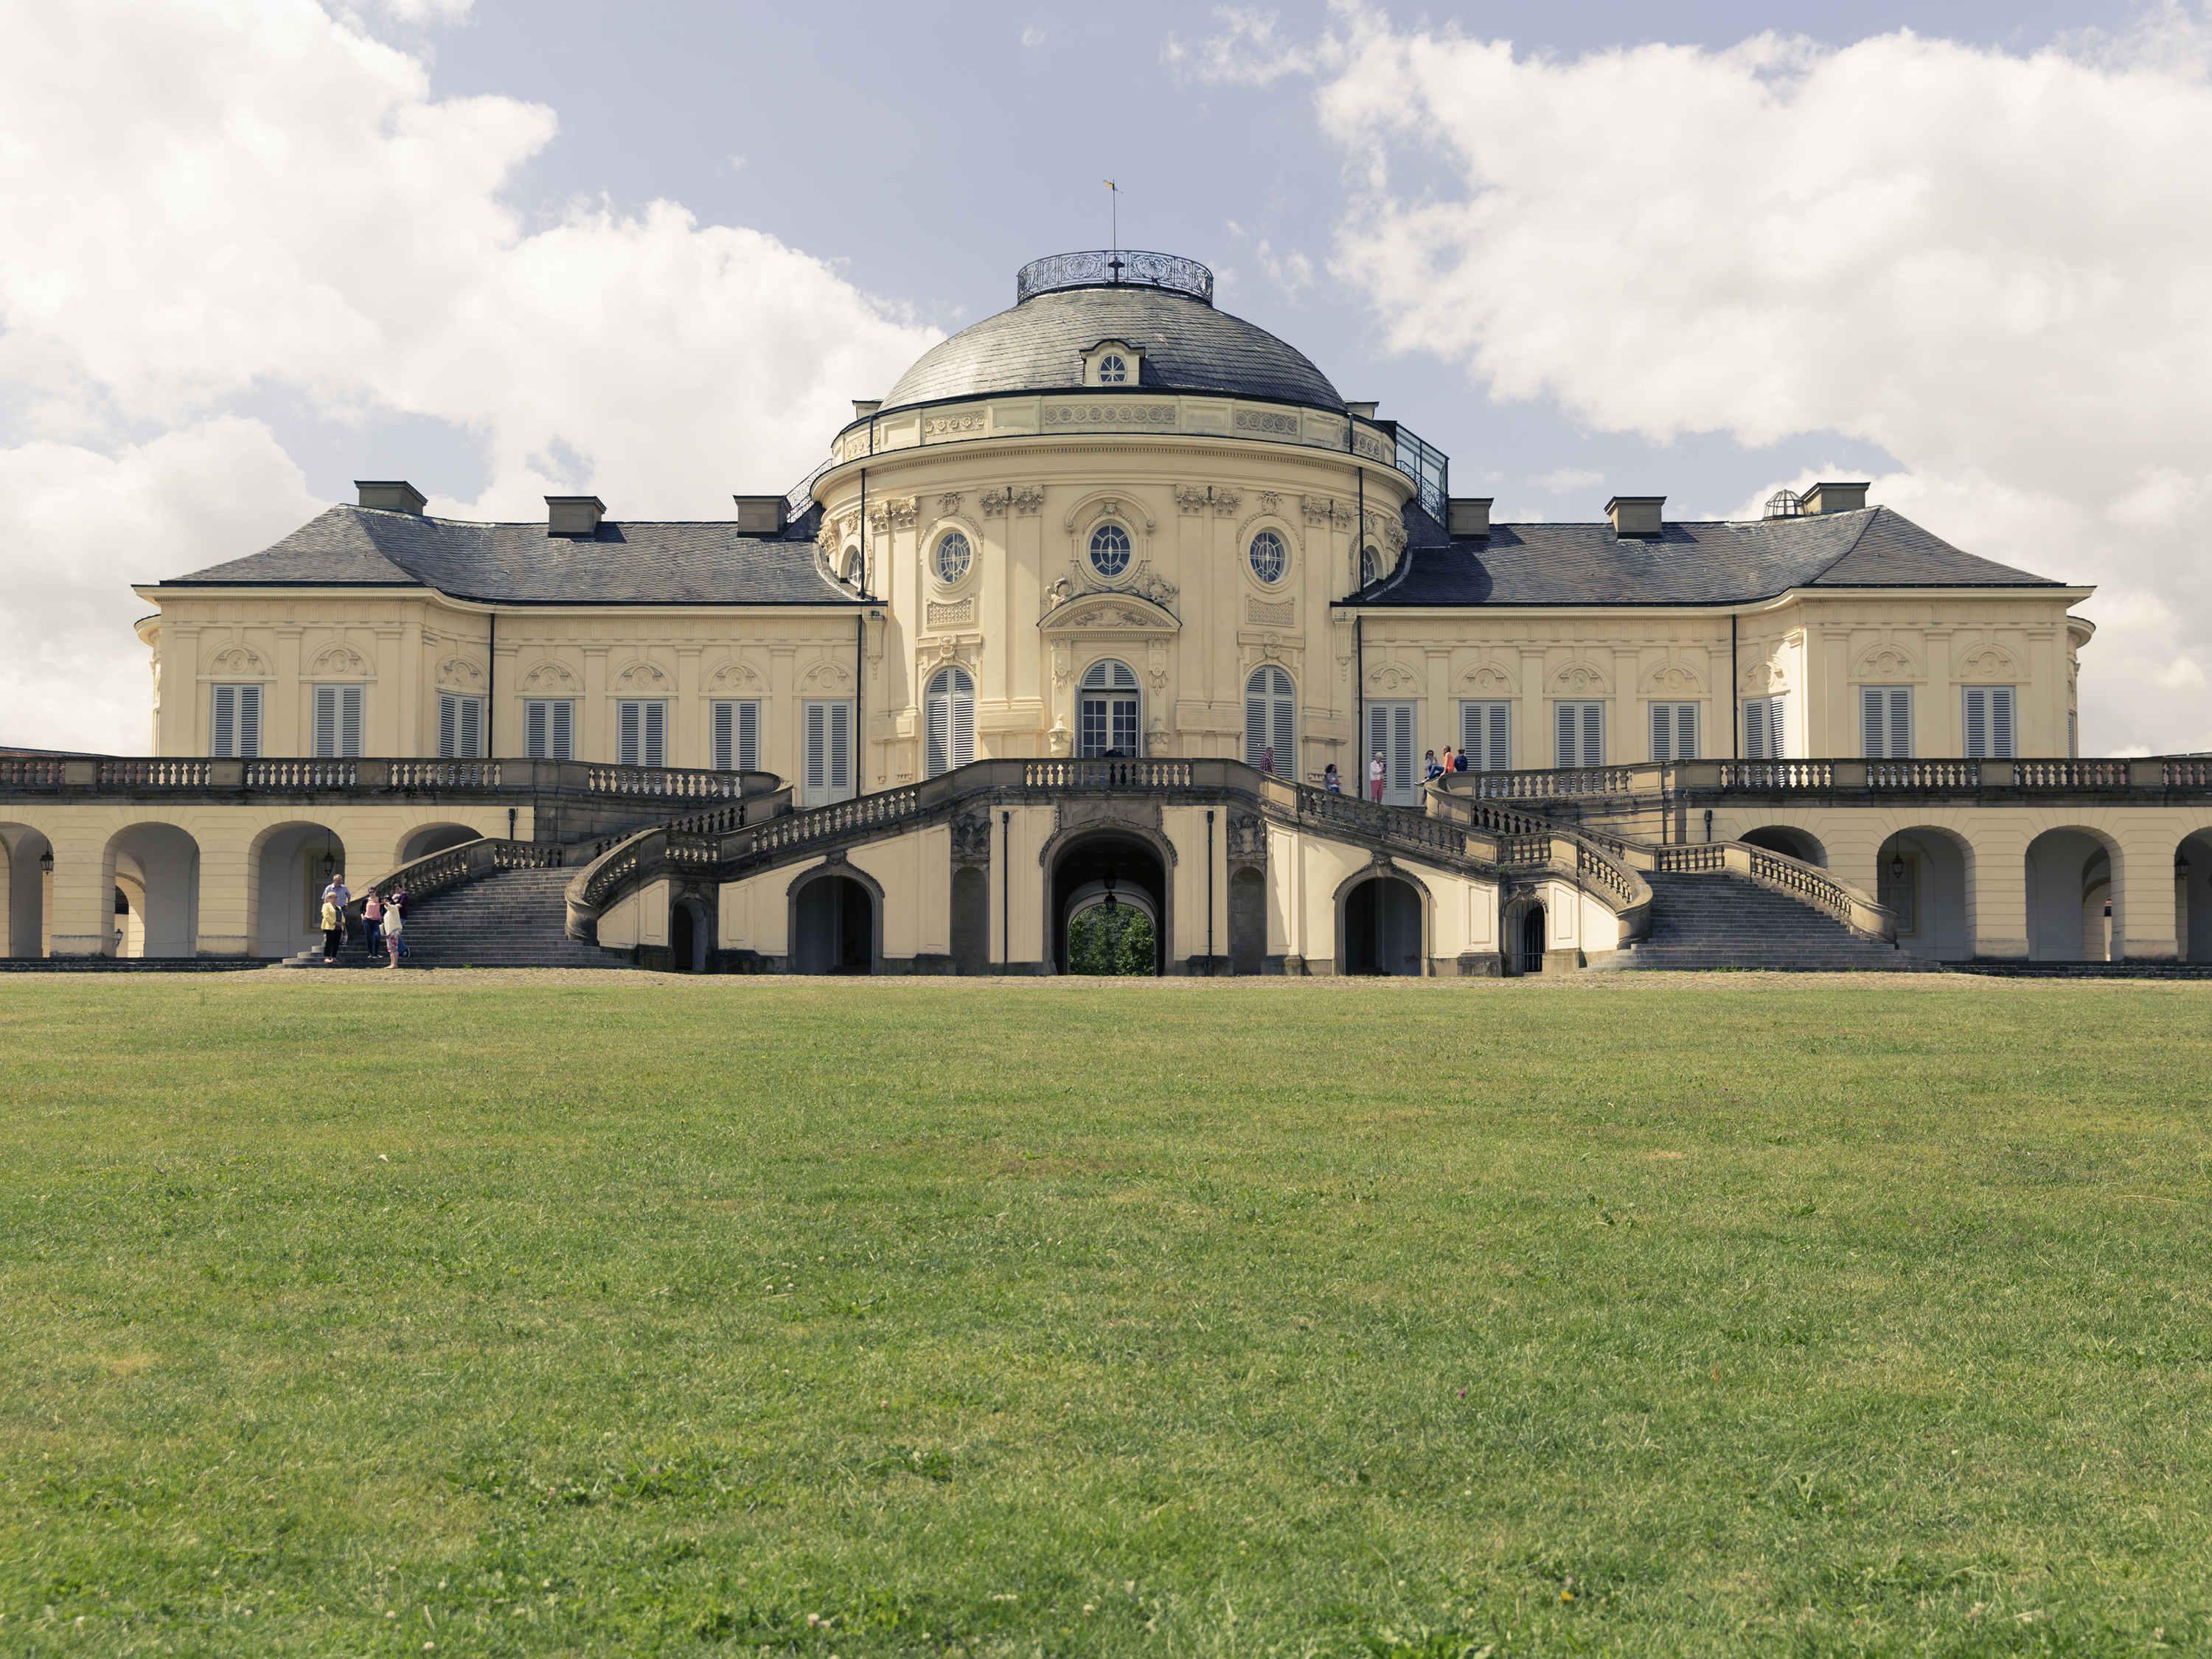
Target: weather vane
{"type": "Point", "coordinates": [1113, 224]}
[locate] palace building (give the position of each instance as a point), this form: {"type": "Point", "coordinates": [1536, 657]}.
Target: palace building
{"type": "Point", "coordinates": [1075, 618]}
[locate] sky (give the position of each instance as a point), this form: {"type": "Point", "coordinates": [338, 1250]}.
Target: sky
{"type": "Point", "coordinates": [259, 248]}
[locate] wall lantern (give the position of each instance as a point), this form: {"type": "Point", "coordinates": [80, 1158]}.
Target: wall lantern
{"type": "Point", "coordinates": [1897, 867]}
{"type": "Point", "coordinates": [46, 861]}
{"type": "Point", "coordinates": [1110, 901]}
{"type": "Point", "coordinates": [329, 864]}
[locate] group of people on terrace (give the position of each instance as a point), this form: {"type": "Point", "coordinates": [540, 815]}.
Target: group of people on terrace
{"type": "Point", "coordinates": [1378, 771]}
{"type": "Point", "coordinates": [383, 922]}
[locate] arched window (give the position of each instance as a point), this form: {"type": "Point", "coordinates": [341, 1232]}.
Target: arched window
{"type": "Point", "coordinates": [1270, 557]}
{"type": "Point", "coordinates": [1271, 722]}
{"type": "Point", "coordinates": [954, 555]}
{"type": "Point", "coordinates": [1370, 565]}
{"type": "Point", "coordinates": [1112, 371]}
{"type": "Point", "coordinates": [856, 568]}
{"type": "Point", "coordinates": [1107, 710]}
{"type": "Point", "coordinates": [949, 708]}
{"type": "Point", "coordinates": [1110, 550]}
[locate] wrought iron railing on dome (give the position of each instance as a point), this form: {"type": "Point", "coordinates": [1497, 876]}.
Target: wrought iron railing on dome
{"type": "Point", "coordinates": [1113, 267]}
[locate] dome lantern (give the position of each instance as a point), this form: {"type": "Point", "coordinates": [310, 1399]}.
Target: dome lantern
{"type": "Point", "coordinates": [1113, 267]}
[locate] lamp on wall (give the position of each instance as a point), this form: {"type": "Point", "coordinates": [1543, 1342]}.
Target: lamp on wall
{"type": "Point", "coordinates": [1897, 867]}
{"type": "Point", "coordinates": [329, 864]}
{"type": "Point", "coordinates": [46, 862]}
{"type": "Point", "coordinates": [1110, 901]}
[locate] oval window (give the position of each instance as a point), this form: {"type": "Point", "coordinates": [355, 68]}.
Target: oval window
{"type": "Point", "coordinates": [1110, 550]}
{"type": "Point", "coordinates": [1270, 558]}
{"type": "Point", "coordinates": [954, 555]}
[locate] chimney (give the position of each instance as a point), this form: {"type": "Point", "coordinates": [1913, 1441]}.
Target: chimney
{"type": "Point", "coordinates": [761, 515]}
{"type": "Point", "coordinates": [864, 407]}
{"type": "Point", "coordinates": [1468, 515]}
{"type": "Point", "coordinates": [1363, 411]}
{"type": "Point", "coordinates": [391, 494]}
{"type": "Point", "coordinates": [1635, 515]}
{"type": "Point", "coordinates": [1835, 497]}
{"type": "Point", "coordinates": [576, 517]}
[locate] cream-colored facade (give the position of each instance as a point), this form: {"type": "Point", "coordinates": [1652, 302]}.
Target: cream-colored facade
{"type": "Point", "coordinates": [1115, 524]}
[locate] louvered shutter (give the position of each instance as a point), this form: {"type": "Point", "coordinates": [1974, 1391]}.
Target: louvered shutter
{"type": "Point", "coordinates": [725, 737]}
{"type": "Point", "coordinates": [1900, 723]}
{"type": "Point", "coordinates": [1873, 732]}
{"type": "Point", "coordinates": [449, 727]}
{"type": "Point", "coordinates": [1663, 732]}
{"type": "Point", "coordinates": [1255, 718]}
{"type": "Point", "coordinates": [749, 736]}
{"type": "Point", "coordinates": [472, 743]}
{"type": "Point", "coordinates": [2073, 735]}
{"type": "Point", "coordinates": [223, 734]}
{"type": "Point", "coordinates": [563, 730]}
{"type": "Point", "coordinates": [629, 733]}
{"type": "Point", "coordinates": [840, 749]}
{"type": "Point", "coordinates": [1593, 734]}
{"type": "Point", "coordinates": [1564, 735]}
{"type": "Point", "coordinates": [537, 730]}
{"type": "Point", "coordinates": [1776, 725]}
{"type": "Point", "coordinates": [249, 721]}
{"type": "Point", "coordinates": [326, 722]}
{"type": "Point", "coordinates": [1378, 737]}
{"type": "Point", "coordinates": [1685, 731]}
{"type": "Point", "coordinates": [938, 714]}
{"type": "Point", "coordinates": [1285, 732]}
{"type": "Point", "coordinates": [2001, 722]}
{"type": "Point", "coordinates": [817, 759]}
{"type": "Point", "coordinates": [656, 734]}
{"type": "Point", "coordinates": [1498, 756]}
{"type": "Point", "coordinates": [963, 719]}
{"type": "Point", "coordinates": [1401, 753]}
{"type": "Point", "coordinates": [349, 720]}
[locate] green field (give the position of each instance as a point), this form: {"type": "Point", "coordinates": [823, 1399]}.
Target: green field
{"type": "Point", "coordinates": [480, 1314]}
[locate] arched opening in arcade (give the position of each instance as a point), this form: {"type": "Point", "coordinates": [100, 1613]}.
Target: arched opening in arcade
{"type": "Point", "coordinates": [1248, 920]}
{"type": "Point", "coordinates": [421, 842]}
{"type": "Point", "coordinates": [1924, 877]}
{"type": "Point", "coordinates": [2074, 913]}
{"type": "Point", "coordinates": [1789, 841]}
{"type": "Point", "coordinates": [27, 866]}
{"type": "Point", "coordinates": [1122, 876]}
{"type": "Point", "coordinates": [153, 872]}
{"type": "Point", "coordinates": [835, 923]}
{"type": "Point", "coordinates": [971, 919]}
{"type": "Point", "coordinates": [1525, 935]}
{"type": "Point", "coordinates": [1380, 926]}
{"type": "Point", "coordinates": [690, 934]}
{"type": "Point", "coordinates": [2192, 897]}
{"type": "Point", "coordinates": [288, 868]}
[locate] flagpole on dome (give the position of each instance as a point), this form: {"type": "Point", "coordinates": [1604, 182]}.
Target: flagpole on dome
{"type": "Point", "coordinates": [1113, 224]}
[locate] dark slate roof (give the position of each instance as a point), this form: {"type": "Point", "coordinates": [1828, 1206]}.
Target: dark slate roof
{"type": "Point", "coordinates": [1687, 564]}
{"type": "Point", "coordinates": [1188, 346]}
{"type": "Point", "coordinates": [632, 562]}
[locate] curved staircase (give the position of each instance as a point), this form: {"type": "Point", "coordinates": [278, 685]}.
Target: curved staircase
{"type": "Point", "coordinates": [1713, 921]}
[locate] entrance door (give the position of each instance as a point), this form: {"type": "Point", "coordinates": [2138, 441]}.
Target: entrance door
{"type": "Point", "coordinates": [1390, 729]}
{"type": "Point", "coordinates": [828, 753]}
{"type": "Point", "coordinates": [1531, 954]}
{"type": "Point", "coordinates": [1107, 711]}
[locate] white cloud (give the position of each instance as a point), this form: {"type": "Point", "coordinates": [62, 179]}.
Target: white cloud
{"type": "Point", "coordinates": [1566, 480]}
{"type": "Point", "coordinates": [72, 673]}
{"type": "Point", "coordinates": [1990, 264]}
{"type": "Point", "coordinates": [1032, 38]}
{"type": "Point", "coordinates": [209, 200]}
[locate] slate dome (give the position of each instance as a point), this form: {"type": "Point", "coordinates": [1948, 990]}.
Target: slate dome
{"type": "Point", "coordinates": [1187, 344]}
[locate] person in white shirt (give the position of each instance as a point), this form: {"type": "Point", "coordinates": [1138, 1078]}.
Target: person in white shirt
{"type": "Point", "coordinates": [1376, 773]}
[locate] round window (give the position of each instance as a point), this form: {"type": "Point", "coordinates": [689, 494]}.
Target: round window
{"type": "Point", "coordinates": [1112, 371]}
{"type": "Point", "coordinates": [954, 555]}
{"type": "Point", "coordinates": [1270, 558]}
{"type": "Point", "coordinates": [1110, 550]}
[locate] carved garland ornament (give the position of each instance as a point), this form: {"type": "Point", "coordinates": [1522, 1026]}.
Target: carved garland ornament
{"type": "Point", "coordinates": [550, 677]}
{"type": "Point", "coordinates": [459, 674]}
{"type": "Point", "coordinates": [239, 659]}
{"type": "Point", "coordinates": [339, 661]}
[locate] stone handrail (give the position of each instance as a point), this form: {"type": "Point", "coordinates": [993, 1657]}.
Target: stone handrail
{"type": "Point", "coordinates": [451, 866]}
{"type": "Point", "coordinates": [1809, 883]}
{"type": "Point", "coordinates": [1528, 841]}
{"type": "Point", "coordinates": [2144, 774]}
{"type": "Point", "coordinates": [283, 774]}
{"type": "Point", "coordinates": [698, 844]}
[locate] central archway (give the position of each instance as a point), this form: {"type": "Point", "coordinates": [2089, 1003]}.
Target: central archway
{"type": "Point", "coordinates": [2073, 881]}
{"type": "Point", "coordinates": [1117, 863]}
{"type": "Point", "coordinates": [836, 925]}
{"type": "Point", "coordinates": [1381, 922]}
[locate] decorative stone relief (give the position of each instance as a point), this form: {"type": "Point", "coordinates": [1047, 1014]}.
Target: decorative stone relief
{"type": "Point", "coordinates": [339, 661]}
{"type": "Point", "coordinates": [549, 677]}
{"type": "Point", "coordinates": [953, 613]}
{"type": "Point", "coordinates": [971, 838]}
{"type": "Point", "coordinates": [1271, 500]}
{"type": "Point", "coordinates": [1190, 498]}
{"type": "Point", "coordinates": [1260, 420]}
{"type": "Point", "coordinates": [1765, 677]}
{"type": "Point", "coordinates": [1156, 587]}
{"type": "Point", "coordinates": [1887, 661]}
{"type": "Point", "coordinates": [459, 674]}
{"type": "Point", "coordinates": [1582, 679]}
{"type": "Point", "coordinates": [948, 504]}
{"type": "Point", "coordinates": [1247, 836]}
{"type": "Point", "coordinates": [994, 503]}
{"type": "Point", "coordinates": [1389, 678]}
{"type": "Point", "coordinates": [897, 513]}
{"type": "Point", "coordinates": [1991, 662]}
{"type": "Point", "coordinates": [950, 426]}
{"type": "Point", "coordinates": [1282, 612]}
{"type": "Point", "coordinates": [1027, 499]}
{"type": "Point", "coordinates": [734, 679]}
{"type": "Point", "coordinates": [1486, 680]}
{"type": "Point", "coordinates": [1226, 503]}
{"type": "Point", "coordinates": [1671, 680]}
{"type": "Point", "coordinates": [239, 659]}
{"type": "Point", "coordinates": [1319, 510]}
{"type": "Point", "coordinates": [1113, 414]}
{"type": "Point", "coordinates": [826, 677]}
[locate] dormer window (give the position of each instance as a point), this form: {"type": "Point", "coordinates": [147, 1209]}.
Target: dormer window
{"type": "Point", "coordinates": [1113, 362]}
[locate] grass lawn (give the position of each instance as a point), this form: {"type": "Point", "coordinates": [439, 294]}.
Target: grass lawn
{"type": "Point", "coordinates": [353, 1316]}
